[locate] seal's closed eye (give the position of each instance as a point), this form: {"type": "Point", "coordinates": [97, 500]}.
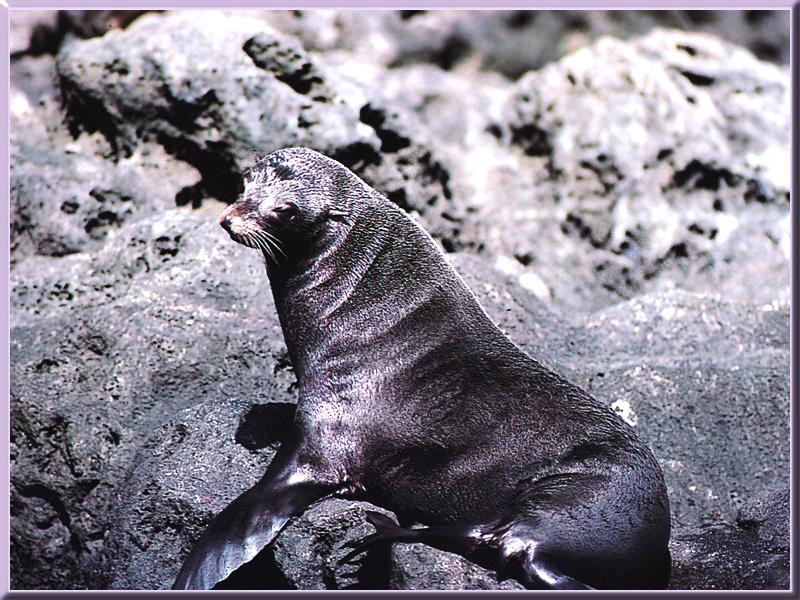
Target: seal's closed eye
{"type": "Point", "coordinates": [338, 215]}
{"type": "Point", "coordinates": [284, 212]}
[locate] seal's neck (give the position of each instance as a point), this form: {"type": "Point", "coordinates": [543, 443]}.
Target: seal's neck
{"type": "Point", "coordinates": [370, 291]}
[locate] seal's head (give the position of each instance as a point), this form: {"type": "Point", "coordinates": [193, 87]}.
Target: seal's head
{"type": "Point", "coordinates": [289, 197]}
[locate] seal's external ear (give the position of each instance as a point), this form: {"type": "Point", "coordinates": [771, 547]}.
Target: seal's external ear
{"type": "Point", "coordinates": [338, 215]}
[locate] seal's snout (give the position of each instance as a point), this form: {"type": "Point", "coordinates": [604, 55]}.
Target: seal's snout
{"type": "Point", "coordinates": [226, 222]}
{"type": "Point", "coordinates": [229, 220]}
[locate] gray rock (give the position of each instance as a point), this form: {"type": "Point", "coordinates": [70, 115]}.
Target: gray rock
{"type": "Point", "coordinates": [751, 554]}
{"type": "Point", "coordinates": [682, 325]}
{"type": "Point", "coordinates": [31, 29]}
{"type": "Point", "coordinates": [717, 427]}
{"type": "Point", "coordinates": [36, 32]}
{"type": "Point", "coordinates": [411, 175]}
{"type": "Point", "coordinates": [67, 202]}
{"type": "Point", "coordinates": [307, 552]}
{"type": "Point", "coordinates": [65, 196]}
{"type": "Point", "coordinates": [175, 486]}
{"type": "Point", "coordinates": [650, 174]}
{"type": "Point", "coordinates": [187, 80]}
{"type": "Point", "coordinates": [108, 347]}
{"type": "Point", "coordinates": [706, 383]}
{"type": "Point", "coordinates": [513, 42]}
{"type": "Point", "coordinates": [303, 556]}
{"type": "Point", "coordinates": [419, 567]}
{"type": "Point", "coordinates": [93, 23]}
{"type": "Point", "coordinates": [163, 80]}
{"type": "Point", "coordinates": [768, 516]}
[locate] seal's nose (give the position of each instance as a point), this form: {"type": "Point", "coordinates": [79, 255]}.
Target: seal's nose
{"type": "Point", "coordinates": [226, 218]}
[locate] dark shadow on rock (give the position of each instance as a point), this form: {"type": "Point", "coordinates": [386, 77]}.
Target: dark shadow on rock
{"type": "Point", "coordinates": [261, 573]}
{"type": "Point", "coordinates": [265, 425]}
{"type": "Point", "coordinates": [373, 570]}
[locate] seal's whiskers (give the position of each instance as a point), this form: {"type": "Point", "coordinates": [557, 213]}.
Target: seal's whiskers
{"type": "Point", "coordinates": [274, 242]}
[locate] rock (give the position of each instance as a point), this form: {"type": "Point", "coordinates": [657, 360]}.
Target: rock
{"type": "Point", "coordinates": [420, 567]}
{"type": "Point", "coordinates": [65, 198]}
{"type": "Point", "coordinates": [751, 554]}
{"type": "Point", "coordinates": [174, 488]}
{"type": "Point", "coordinates": [767, 516]}
{"type": "Point", "coordinates": [93, 23]}
{"type": "Point", "coordinates": [514, 42]}
{"type": "Point", "coordinates": [297, 563]}
{"type": "Point", "coordinates": [648, 175]}
{"type": "Point", "coordinates": [36, 32]}
{"type": "Point", "coordinates": [700, 379]}
{"type": "Point", "coordinates": [308, 550]}
{"type": "Point", "coordinates": [679, 325]}
{"type": "Point", "coordinates": [160, 80]}
{"type": "Point", "coordinates": [107, 348]}
{"type": "Point", "coordinates": [75, 199]}
{"type": "Point", "coordinates": [284, 57]}
{"type": "Point", "coordinates": [410, 175]}
{"type": "Point", "coordinates": [163, 79]}
{"type": "Point", "coordinates": [32, 30]}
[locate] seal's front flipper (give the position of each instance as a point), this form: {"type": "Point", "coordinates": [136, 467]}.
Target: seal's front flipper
{"type": "Point", "coordinates": [240, 531]}
{"type": "Point", "coordinates": [252, 521]}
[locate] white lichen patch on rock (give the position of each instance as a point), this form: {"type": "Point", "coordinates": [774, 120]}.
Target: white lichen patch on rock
{"type": "Point", "coordinates": [624, 410]}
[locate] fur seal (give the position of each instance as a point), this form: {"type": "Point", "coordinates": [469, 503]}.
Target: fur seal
{"type": "Point", "coordinates": [409, 396]}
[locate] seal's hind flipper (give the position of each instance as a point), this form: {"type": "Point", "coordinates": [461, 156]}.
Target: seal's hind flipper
{"type": "Point", "coordinates": [451, 538]}
{"type": "Point", "coordinates": [382, 523]}
{"type": "Point", "coordinates": [385, 530]}
{"type": "Point", "coordinates": [540, 574]}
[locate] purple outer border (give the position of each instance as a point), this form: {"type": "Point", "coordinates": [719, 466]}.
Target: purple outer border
{"type": "Point", "coordinates": [377, 4]}
{"type": "Point", "coordinates": [5, 316]}
{"type": "Point", "coordinates": [394, 4]}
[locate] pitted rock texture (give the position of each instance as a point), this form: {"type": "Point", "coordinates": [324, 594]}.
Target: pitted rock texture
{"type": "Point", "coordinates": [700, 379]}
{"type": "Point", "coordinates": [514, 42]}
{"type": "Point", "coordinates": [689, 189]}
{"type": "Point", "coordinates": [755, 547]}
{"type": "Point", "coordinates": [237, 87]}
{"type": "Point", "coordinates": [66, 195]}
{"type": "Point", "coordinates": [161, 503]}
{"type": "Point", "coordinates": [106, 348]}
{"type": "Point", "coordinates": [619, 205]}
{"type": "Point", "coordinates": [210, 104]}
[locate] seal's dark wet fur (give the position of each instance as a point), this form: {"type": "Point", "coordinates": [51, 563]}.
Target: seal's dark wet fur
{"type": "Point", "coordinates": [412, 398]}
